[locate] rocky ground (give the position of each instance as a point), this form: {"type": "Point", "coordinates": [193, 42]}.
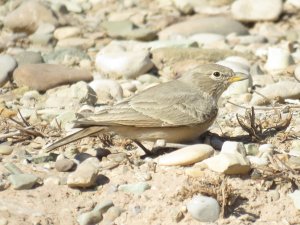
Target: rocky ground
{"type": "Point", "coordinates": [59, 58]}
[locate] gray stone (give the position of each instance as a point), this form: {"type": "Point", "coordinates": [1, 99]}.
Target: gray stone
{"type": "Point", "coordinates": [42, 77]}
{"type": "Point", "coordinates": [28, 57]}
{"type": "Point", "coordinates": [136, 188]}
{"type": "Point", "coordinates": [215, 25]}
{"type": "Point", "coordinates": [203, 208]}
{"type": "Point", "coordinates": [60, 55]}
{"type": "Point", "coordinates": [8, 64]}
{"type": "Point", "coordinates": [64, 165]}
{"type": "Point", "coordinates": [256, 10]}
{"type": "Point", "coordinates": [23, 181]}
{"type": "Point", "coordinates": [65, 120]}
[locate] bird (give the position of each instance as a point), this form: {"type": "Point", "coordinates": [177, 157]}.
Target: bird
{"type": "Point", "coordinates": [177, 111]}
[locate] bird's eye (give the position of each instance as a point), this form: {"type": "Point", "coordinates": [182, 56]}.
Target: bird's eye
{"type": "Point", "coordinates": [216, 74]}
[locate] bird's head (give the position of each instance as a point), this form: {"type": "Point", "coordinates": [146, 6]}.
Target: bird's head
{"type": "Point", "coordinates": [212, 79]}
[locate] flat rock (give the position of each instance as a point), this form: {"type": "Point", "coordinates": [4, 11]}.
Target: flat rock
{"type": "Point", "coordinates": [228, 163]}
{"type": "Point", "coordinates": [215, 25]}
{"type": "Point", "coordinates": [23, 181]}
{"type": "Point", "coordinates": [8, 64]}
{"type": "Point", "coordinates": [280, 90]}
{"type": "Point", "coordinates": [84, 176]}
{"type": "Point", "coordinates": [203, 208]}
{"type": "Point", "coordinates": [128, 65]}
{"type": "Point", "coordinates": [66, 32]}
{"type": "Point", "coordinates": [42, 77]}
{"type": "Point", "coordinates": [28, 16]}
{"type": "Point", "coordinates": [256, 10]}
{"type": "Point", "coordinates": [75, 42]}
{"type": "Point", "coordinates": [186, 156]}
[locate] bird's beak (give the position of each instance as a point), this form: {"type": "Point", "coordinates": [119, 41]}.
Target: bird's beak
{"type": "Point", "coordinates": [238, 77]}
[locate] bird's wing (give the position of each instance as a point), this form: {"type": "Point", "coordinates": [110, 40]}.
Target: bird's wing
{"type": "Point", "coordinates": [170, 104]}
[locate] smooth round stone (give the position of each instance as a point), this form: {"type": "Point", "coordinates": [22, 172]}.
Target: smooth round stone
{"type": "Point", "coordinates": [203, 25]}
{"type": "Point", "coordinates": [28, 16]}
{"type": "Point", "coordinates": [28, 57]}
{"type": "Point", "coordinates": [8, 64]}
{"type": "Point", "coordinates": [203, 208]}
{"type": "Point", "coordinates": [128, 65]}
{"type": "Point", "coordinates": [52, 180]}
{"type": "Point", "coordinates": [186, 156]}
{"type": "Point", "coordinates": [148, 78]}
{"type": "Point", "coordinates": [42, 77]}
{"type": "Point", "coordinates": [282, 89]}
{"type": "Point", "coordinates": [73, 6]}
{"type": "Point", "coordinates": [64, 165]}
{"type": "Point", "coordinates": [278, 59]}
{"type": "Point", "coordinates": [107, 90]}
{"type": "Point", "coordinates": [66, 32]}
{"type": "Point", "coordinates": [260, 161]}
{"type": "Point", "coordinates": [5, 149]}
{"type": "Point", "coordinates": [256, 10]}
{"type": "Point", "coordinates": [233, 147]}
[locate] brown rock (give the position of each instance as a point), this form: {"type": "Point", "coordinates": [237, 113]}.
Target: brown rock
{"type": "Point", "coordinates": [28, 16]}
{"type": "Point", "coordinates": [42, 77]}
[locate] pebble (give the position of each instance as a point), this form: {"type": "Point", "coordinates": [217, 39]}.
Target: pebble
{"type": "Point", "coordinates": [65, 56]}
{"type": "Point", "coordinates": [65, 120]}
{"type": "Point", "coordinates": [128, 65]}
{"type": "Point", "coordinates": [228, 163]}
{"type": "Point", "coordinates": [251, 149]}
{"type": "Point", "coordinates": [84, 176]}
{"type": "Point", "coordinates": [187, 155]}
{"type": "Point", "coordinates": [76, 42]}
{"type": "Point", "coordinates": [278, 59]}
{"type": "Point", "coordinates": [111, 214]}
{"type": "Point", "coordinates": [203, 208]}
{"type": "Point", "coordinates": [28, 16]}
{"type": "Point", "coordinates": [52, 180]}
{"type": "Point", "coordinates": [193, 26]}
{"type": "Point", "coordinates": [136, 188]}
{"type": "Point", "coordinates": [256, 10]}
{"type": "Point", "coordinates": [266, 150]}
{"type": "Point", "coordinates": [96, 215]}
{"type": "Point", "coordinates": [42, 77]}
{"type": "Point", "coordinates": [72, 97]}
{"type": "Point", "coordinates": [23, 181]}
{"type": "Point", "coordinates": [66, 32]}
{"type": "Point", "coordinates": [64, 165]}
{"type": "Point", "coordinates": [29, 57]}
{"type": "Point", "coordinates": [259, 161]}
{"type": "Point", "coordinates": [6, 149]}
{"type": "Point", "coordinates": [295, 196]}
{"type": "Point", "coordinates": [107, 90]}
{"type": "Point", "coordinates": [233, 147]}
{"type": "Point", "coordinates": [282, 90]}
{"type": "Point", "coordinates": [8, 64]}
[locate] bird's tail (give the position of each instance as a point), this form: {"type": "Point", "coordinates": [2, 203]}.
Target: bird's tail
{"type": "Point", "coordinates": [74, 137]}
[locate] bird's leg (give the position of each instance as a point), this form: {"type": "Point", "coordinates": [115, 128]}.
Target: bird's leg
{"type": "Point", "coordinates": [139, 144]}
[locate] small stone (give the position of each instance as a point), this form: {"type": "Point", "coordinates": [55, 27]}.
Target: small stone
{"type": "Point", "coordinates": [266, 150]}
{"type": "Point", "coordinates": [65, 56]}
{"type": "Point", "coordinates": [186, 156]}
{"type": "Point", "coordinates": [259, 161]}
{"type": "Point", "coordinates": [251, 148]}
{"type": "Point", "coordinates": [107, 90]}
{"type": "Point", "coordinates": [256, 10]}
{"type": "Point", "coordinates": [111, 214]}
{"type": "Point", "coordinates": [128, 65]}
{"type": "Point", "coordinates": [8, 64]}
{"type": "Point", "coordinates": [228, 163]}
{"type": "Point", "coordinates": [66, 32]}
{"type": "Point", "coordinates": [64, 165]}
{"type": "Point", "coordinates": [233, 147]}
{"type": "Point", "coordinates": [28, 16]}
{"type": "Point", "coordinates": [75, 42]}
{"type": "Point", "coordinates": [52, 180]}
{"type": "Point", "coordinates": [136, 188]}
{"type": "Point", "coordinates": [295, 196]}
{"type": "Point", "coordinates": [44, 158]}
{"type": "Point", "coordinates": [84, 176]}
{"type": "Point", "coordinates": [280, 90]}
{"type": "Point", "coordinates": [23, 181]}
{"type": "Point", "coordinates": [203, 208]}
{"type": "Point", "coordinates": [193, 26]}
{"type": "Point", "coordinates": [42, 77]}
{"type": "Point", "coordinates": [96, 215]}
{"type": "Point", "coordinates": [28, 57]}
{"type": "Point", "coordinates": [6, 149]}
{"type": "Point", "coordinates": [278, 59]}
{"type": "Point", "coordinates": [65, 120]}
